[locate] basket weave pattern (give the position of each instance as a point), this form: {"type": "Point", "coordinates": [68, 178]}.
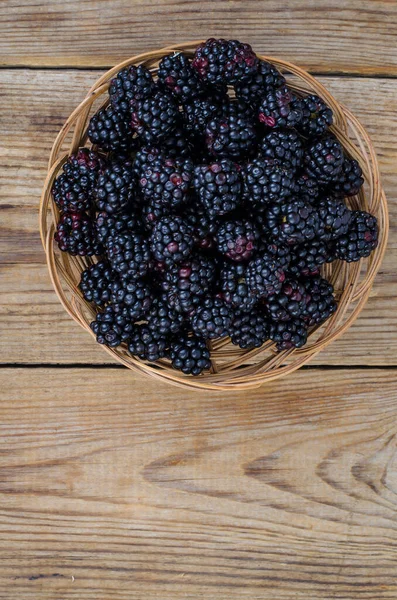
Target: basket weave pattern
{"type": "Point", "coordinates": [232, 368]}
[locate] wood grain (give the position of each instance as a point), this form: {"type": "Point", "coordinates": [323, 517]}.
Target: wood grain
{"type": "Point", "coordinates": [324, 36]}
{"type": "Point", "coordinates": [162, 493]}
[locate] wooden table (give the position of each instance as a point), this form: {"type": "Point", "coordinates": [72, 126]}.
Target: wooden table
{"type": "Point", "coordinates": [116, 486]}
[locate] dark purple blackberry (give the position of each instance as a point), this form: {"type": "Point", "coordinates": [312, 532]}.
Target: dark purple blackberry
{"type": "Point", "coordinates": [266, 183]}
{"type": "Point", "coordinates": [95, 283]}
{"type": "Point", "coordinates": [156, 117]}
{"type": "Point", "coordinates": [278, 251]}
{"type": "Point", "coordinates": [176, 74]}
{"type": "Point", "coordinates": [197, 112]}
{"type": "Point", "coordinates": [265, 275]}
{"type": "Point", "coordinates": [166, 181]}
{"type": "Point", "coordinates": [186, 284]}
{"type": "Point", "coordinates": [320, 301]}
{"type": "Point", "coordinates": [107, 225]}
{"type": "Point", "coordinates": [280, 108]}
{"type": "Point", "coordinates": [249, 330]}
{"type": "Point", "coordinates": [213, 319]}
{"type": "Point", "coordinates": [289, 303]}
{"type": "Point", "coordinates": [317, 117]}
{"type": "Point", "coordinates": [163, 319]}
{"type": "Point", "coordinates": [76, 235]}
{"type": "Point", "coordinates": [307, 187]}
{"type": "Point", "coordinates": [134, 294]}
{"type": "Point", "coordinates": [203, 224]}
{"type": "Point", "coordinates": [73, 189]}
{"type": "Point", "coordinates": [171, 240]}
{"type": "Point", "coordinates": [335, 217]}
{"type": "Point", "coordinates": [288, 334]}
{"type": "Point", "coordinates": [237, 240]}
{"type": "Point", "coordinates": [350, 180]}
{"type": "Point", "coordinates": [264, 80]}
{"type": "Point", "coordinates": [112, 326]}
{"type": "Point", "coordinates": [146, 345]}
{"type": "Point", "coordinates": [307, 258]}
{"type": "Point", "coordinates": [232, 134]}
{"type": "Point", "coordinates": [324, 159]}
{"type": "Point", "coordinates": [224, 61]}
{"type": "Point", "coordinates": [111, 131]}
{"type": "Point", "coordinates": [177, 144]}
{"type": "Point", "coordinates": [283, 146]}
{"type": "Point", "coordinates": [146, 156]}
{"type": "Point", "coordinates": [129, 254]}
{"type": "Point", "coordinates": [131, 83]}
{"type": "Point", "coordinates": [360, 239]}
{"type": "Point", "coordinates": [295, 222]}
{"type": "Point", "coordinates": [234, 287]}
{"type": "Point", "coordinates": [190, 354]}
{"type": "Point", "coordinates": [115, 189]}
{"type": "Point", "coordinates": [153, 212]}
{"type": "Point", "coordinates": [218, 186]}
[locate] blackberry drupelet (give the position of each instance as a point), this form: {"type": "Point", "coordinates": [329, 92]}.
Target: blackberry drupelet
{"type": "Point", "coordinates": [232, 134]}
{"type": "Point", "coordinates": [307, 187]}
{"type": "Point", "coordinates": [166, 181]}
{"type": "Point", "coordinates": [177, 74]}
{"type": "Point", "coordinates": [350, 180]}
{"type": "Point", "coordinates": [320, 304]}
{"type": "Point", "coordinates": [295, 222]}
{"type": "Point", "coordinates": [197, 112]}
{"type": "Point", "coordinates": [360, 239]}
{"type": "Point", "coordinates": [234, 287]}
{"type": "Point", "coordinates": [95, 283]}
{"type": "Point", "coordinates": [213, 319]}
{"type": "Point", "coordinates": [146, 345]}
{"type": "Point", "coordinates": [110, 130]}
{"type": "Point", "coordinates": [265, 275]}
{"type": "Point", "coordinates": [153, 212]}
{"type": "Point", "coordinates": [163, 319]}
{"type": "Point", "coordinates": [112, 326]}
{"type": "Point", "coordinates": [265, 183]}
{"type": "Point", "coordinates": [190, 354]}
{"type": "Point", "coordinates": [131, 83]}
{"type": "Point", "coordinates": [156, 117]}
{"type": "Point", "coordinates": [324, 159]}
{"type": "Point", "coordinates": [224, 61]}
{"type": "Point", "coordinates": [204, 225]}
{"type": "Point", "coordinates": [288, 334]}
{"type": "Point", "coordinates": [171, 240]}
{"type": "Point", "coordinates": [279, 251]}
{"type": "Point", "coordinates": [129, 254]}
{"type": "Point", "coordinates": [115, 189]}
{"type": "Point", "coordinates": [238, 240]}
{"type": "Point", "coordinates": [218, 186]}
{"type": "Point", "coordinates": [307, 258]}
{"type": "Point", "coordinates": [280, 108]}
{"type": "Point", "coordinates": [186, 284]}
{"type": "Point", "coordinates": [284, 146]}
{"type": "Point", "coordinates": [107, 225]}
{"type": "Point", "coordinates": [335, 217]}
{"type": "Point", "coordinates": [250, 330]}
{"type": "Point", "coordinates": [134, 294]}
{"type": "Point", "coordinates": [289, 303]}
{"type": "Point", "coordinates": [263, 81]}
{"type": "Point", "coordinates": [76, 235]}
{"type": "Point", "coordinates": [317, 117]}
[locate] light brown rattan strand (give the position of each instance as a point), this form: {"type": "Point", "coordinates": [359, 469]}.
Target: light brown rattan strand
{"type": "Point", "coordinates": [233, 369]}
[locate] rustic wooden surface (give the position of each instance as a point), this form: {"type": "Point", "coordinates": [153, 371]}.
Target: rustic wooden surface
{"type": "Point", "coordinates": [112, 485]}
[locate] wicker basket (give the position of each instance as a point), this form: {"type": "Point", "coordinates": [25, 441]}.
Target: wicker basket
{"type": "Point", "coordinates": [232, 368]}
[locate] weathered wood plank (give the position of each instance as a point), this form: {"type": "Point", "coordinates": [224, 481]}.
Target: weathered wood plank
{"type": "Point", "coordinates": [357, 36]}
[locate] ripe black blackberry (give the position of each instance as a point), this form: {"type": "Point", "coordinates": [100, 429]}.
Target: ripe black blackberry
{"type": "Point", "coordinates": [280, 108]}
{"type": "Point", "coordinates": [131, 83]}
{"type": "Point", "coordinates": [250, 330]}
{"type": "Point", "coordinates": [350, 180]}
{"type": "Point", "coordinates": [198, 111]}
{"type": "Point", "coordinates": [265, 275]}
{"type": "Point", "coordinates": [166, 181]}
{"type": "Point", "coordinates": [213, 319]}
{"type": "Point", "coordinates": [171, 240]}
{"type": "Point", "coordinates": [266, 183]}
{"type": "Point", "coordinates": [224, 61]}
{"type": "Point", "coordinates": [218, 186]}
{"type": "Point", "coordinates": [190, 354]}
{"type": "Point", "coordinates": [111, 131]}
{"type": "Point", "coordinates": [307, 258]}
{"type": "Point", "coordinates": [134, 294]}
{"type": "Point", "coordinates": [177, 74]}
{"type": "Point", "coordinates": [112, 326]}
{"type": "Point", "coordinates": [284, 146]}
{"type": "Point", "coordinates": [307, 187]}
{"type": "Point", "coordinates": [234, 287]}
{"type": "Point", "coordinates": [107, 225]}
{"type": "Point", "coordinates": [360, 239]}
{"type": "Point", "coordinates": [187, 283]}
{"type": "Point", "coordinates": [129, 254]}
{"type": "Point", "coordinates": [295, 222]}
{"type": "Point", "coordinates": [145, 156]}
{"type": "Point", "coordinates": [146, 345]}
{"type": "Point", "coordinates": [95, 283]}
{"type": "Point", "coordinates": [335, 217]}
{"type": "Point", "coordinates": [317, 117]}
{"type": "Point", "coordinates": [204, 225]}
{"type": "Point", "coordinates": [289, 303]}
{"type": "Point", "coordinates": [232, 134]}
{"type": "Point", "coordinates": [238, 240]}
{"type": "Point", "coordinates": [163, 319]}
{"type": "Point", "coordinates": [76, 235]}
{"type": "Point", "coordinates": [265, 79]}
{"type": "Point", "coordinates": [324, 159]}
{"type": "Point", "coordinates": [320, 302]}
{"type": "Point", "coordinates": [154, 118]}
{"type": "Point", "coordinates": [115, 189]}
{"type": "Point", "coordinates": [153, 212]}
{"type": "Point", "coordinates": [288, 334]}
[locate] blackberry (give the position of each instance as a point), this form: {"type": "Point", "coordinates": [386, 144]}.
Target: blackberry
{"type": "Point", "coordinates": [320, 302]}
{"type": "Point", "coordinates": [265, 183]}
{"type": "Point", "coordinates": [350, 179]}
{"type": "Point", "coordinates": [234, 287]}
{"type": "Point", "coordinates": [264, 80]}
{"type": "Point", "coordinates": [95, 283]}
{"type": "Point", "coordinates": [213, 319]}
{"type": "Point", "coordinates": [154, 118]}
{"type": "Point", "coordinates": [324, 159]}
{"type": "Point", "coordinates": [288, 334]}
{"type": "Point", "coordinates": [280, 108]}
{"type": "Point", "coordinates": [144, 157]}
{"type": "Point", "coordinates": [237, 240]}
{"type": "Point", "coordinates": [76, 235]}
{"type": "Point", "coordinates": [307, 187]}
{"type": "Point", "coordinates": [250, 330]}
{"type": "Point", "coordinates": [265, 275]}
{"type": "Point", "coordinates": [73, 189]}
{"type": "Point", "coordinates": [283, 146]}
{"type": "Point", "coordinates": [204, 225]}
{"type": "Point", "coordinates": [218, 186]}
{"type": "Point", "coordinates": [335, 217]}
{"type": "Point", "coordinates": [153, 212]}
{"type": "Point", "coordinates": [317, 117]}
{"type": "Point", "coordinates": [307, 258]}
{"type": "Point", "coordinates": [115, 189]}
{"type": "Point", "coordinates": [224, 61]}
{"type": "Point", "coordinates": [162, 319]}
{"type": "Point", "coordinates": [190, 354]}
{"type": "Point", "coordinates": [129, 254]}
{"type": "Point", "coordinates": [146, 345]}
{"type": "Point", "coordinates": [171, 240]}
{"type": "Point", "coordinates": [166, 181]}
{"type": "Point", "coordinates": [295, 222]}
{"type": "Point", "coordinates": [186, 284]}
{"type": "Point", "coordinates": [360, 239]}
{"type": "Point", "coordinates": [131, 83]}
{"type": "Point", "coordinates": [289, 303]}
{"type": "Point", "coordinates": [197, 112]}
{"type": "Point", "coordinates": [176, 73]}
{"type": "Point", "coordinates": [177, 144]}
{"type": "Point", "coordinates": [134, 294]}
{"type": "Point", "coordinates": [112, 326]}
{"type": "Point", "coordinates": [107, 225]}
{"type": "Point", "coordinates": [232, 134]}
{"type": "Point", "coordinates": [110, 130]}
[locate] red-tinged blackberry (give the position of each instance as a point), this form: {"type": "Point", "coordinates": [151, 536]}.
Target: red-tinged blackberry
{"type": "Point", "coordinates": [198, 111]}
{"type": "Point", "coordinates": [307, 258]}
{"type": "Point", "coordinates": [76, 235]}
{"type": "Point", "coordinates": [284, 146]}
{"type": "Point", "coordinates": [204, 225]}
{"type": "Point", "coordinates": [131, 83]}
{"type": "Point", "coordinates": [218, 186]}
{"type": "Point", "coordinates": [238, 240]}
{"type": "Point", "coordinates": [289, 303]}
{"type": "Point", "coordinates": [317, 117]}
{"type": "Point", "coordinates": [153, 212]}
{"type": "Point", "coordinates": [320, 302]}
{"type": "Point", "coordinates": [163, 319]}
{"type": "Point", "coordinates": [324, 159]}
{"type": "Point", "coordinates": [350, 180]}
{"type": "Point", "coordinates": [277, 250]}
{"type": "Point", "coordinates": [107, 225]}
{"type": "Point", "coordinates": [250, 330]}
{"type": "Point", "coordinates": [294, 222]}
{"type": "Point", "coordinates": [265, 183]}
{"type": "Point", "coordinates": [307, 187]}
{"type": "Point", "coordinates": [95, 283]}
{"type": "Point", "coordinates": [212, 319]}
{"type": "Point", "coordinates": [360, 239]}
{"type": "Point", "coordinates": [232, 134]}
{"type": "Point", "coordinates": [166, 181]}
{"type": "Point", "coordinates": [335, 217]}
{"type": "Point", "coordinates": [146, 345]}
{"type": "Point", "coordinates": [190, 354]}
{"type": "Point", "coordinates": [144, 157]}
{"type": "Point", "coordinates": [224, 61]}
{"type": "Point", "coordinates": [110, 130]}
{"type": "Point", "coordinates": [265, 79]}
{"type": "Point", "coordinates": [234, 287]}
{"type": "Point", "coordinates": [115, 189]}
{"type": "Point", "coordinates": [177, 144]}
{"type": "Point", "coordinates": [176, 73]}
{"type": "Point", "coordinates": [187, 283]}
{"type": "Point", "coordinates": [171, 240]}
{"type": "Point", "coordinates": [154, 118]}
{"type": "Point", "coordinates": [265, 275]}
{"type": "Point", "coordinates": [134, 294]}
{"type": "Point", "coordinates": [129, 254]}
{"type": "Point", "coordinates": [112, 326]}
{"type": "Point", "coordinates": [280, 108]}
{"type": "Point", "coordinates": [288, 334]}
